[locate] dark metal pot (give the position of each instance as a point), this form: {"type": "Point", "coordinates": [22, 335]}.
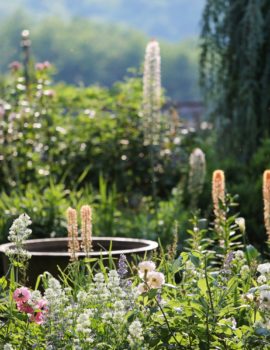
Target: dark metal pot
{"type": "Point", "coordinates": [49, 253]}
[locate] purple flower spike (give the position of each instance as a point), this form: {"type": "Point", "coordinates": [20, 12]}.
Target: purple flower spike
{"type": "Point", "coordinates": [122, 266]}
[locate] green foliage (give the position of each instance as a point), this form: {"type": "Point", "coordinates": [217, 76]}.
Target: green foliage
{"type": "Point", "coordinates": [235, 73]}
{"type": "Point", "coordinates": [222, 306]}
{"type": "Point", "coordinates": [63, 145]}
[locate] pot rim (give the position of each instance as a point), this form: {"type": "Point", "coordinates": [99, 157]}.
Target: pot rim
{"type": "Point", "coordinates": [149, 245]}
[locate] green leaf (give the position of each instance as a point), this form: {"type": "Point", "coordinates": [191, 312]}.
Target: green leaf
{"type": "Point", "coordinates": [177, 264]}
{"type": "Point", "coordinates": [202, 285]}
{"type": "Point", "coordinates": [185, 257]}
{"type": "Point", "coordinates": [3, 282]}
{"type": "Point", "coordinates": [152, 294]}
{"type": "Point", "coordinates": [252, 252]}
{"type": "Point", "coordinates": [195, 260]}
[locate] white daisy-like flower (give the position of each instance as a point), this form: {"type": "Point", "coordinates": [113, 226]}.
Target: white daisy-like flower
{"type": "Point", "coordinates": [145, 267]}
{"type": "Point", "coordinates": [155, 279]}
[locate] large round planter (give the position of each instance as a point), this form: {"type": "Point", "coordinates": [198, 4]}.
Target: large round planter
{"type": "Point", "coordinates": [50, 253]}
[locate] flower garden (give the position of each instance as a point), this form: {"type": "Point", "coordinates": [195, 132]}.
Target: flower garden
{"type": "Point", "coordinates": [79, 164]}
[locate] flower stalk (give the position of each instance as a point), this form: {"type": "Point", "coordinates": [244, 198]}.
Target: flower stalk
{"type": "Point", "coordinates": [151, 94]}
{"type": "Point", "coordinates": [266, 201]}
{"type": "Point", "coordinates": [197, 170]}
{"type": "Point", "coordinates": [73, 242]}
{"type": "Point", "coordinates": [218, 197]}
{"type": "Point", "coordinates": [86, 226]}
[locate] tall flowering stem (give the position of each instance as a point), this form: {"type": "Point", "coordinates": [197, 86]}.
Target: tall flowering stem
{"type": "Point", "coordinates": [18, 234]}
{"type": "Point", "coordinates": [72, 226]}
{"type": "Point", "coordinates": [25, 44]}
{"type": "Point", "coordinates": [86, 225]}
{"type": "Point", "coordinates": [151, 93]}
{"type": "Point", "coordinates": [151, 108]}
{"type": "Point", "coordinates": [197, 170]}
{"type": "Point", "coordinates": [218, 197]}
{"type": "Point", "coordinates": [218, 191]}
{"type": "Point", "coordinates": [266, 201]}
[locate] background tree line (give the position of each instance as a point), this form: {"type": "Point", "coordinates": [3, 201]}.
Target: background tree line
{"type": "Point", "coordinates": [172, 20]}
{"type": "Point", "coordinates": [86, 52]}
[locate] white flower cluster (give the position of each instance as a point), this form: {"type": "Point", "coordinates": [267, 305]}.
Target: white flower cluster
{"type": "Point", "coordinates": [19, 230]}
{"type": "Point", "coordinates": [197, 171]}
{"type": "Point", "coordinates": [8, 347]}
{"type": "Point", "coordinates": [84, 324]}
{"type": "Point", "coordinates": [60, 315]}
{"type": "Point", "coordinates": [18, 252]}
{"type": "Point", "coordinates": [239, 255]}
{"type": "Point", "coordinates": [264, 270]}
{"type": "Point", "coordinates": [104, 302]}
{"type": "Point", "coordinates": [151, 278]}
{"type": "Point", "coordinates": [18, 233]}
{"type": "Point", "coordinates": [262, 295]}
{"type": "Point", "coordinates": [103, 306]}
{"type": "Point", "coordinates": [56, 298]}
{"type": "Point", "coordinates": [265, 298]}
{"type": "Point", "coordinates": [244, 271]}
{"type": "Point", "coordinates": [135, 337]}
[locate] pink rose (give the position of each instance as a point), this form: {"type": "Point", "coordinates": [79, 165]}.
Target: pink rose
{"type": "Point", "coordinates": [21, 295]}
{"type": "Point", "coordinates": [42, 305]}
{"type": "Point", "coordinates": [37, 317]}
{"type": "Point", "coordinates": [24, 307]}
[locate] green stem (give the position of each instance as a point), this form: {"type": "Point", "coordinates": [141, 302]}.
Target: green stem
{"type": "Point", "coordinates": [211, 303]}
{"type": "Point", "coordinates": [165, 317]}
{"type": "Point", "coordinates": [153, 180]}
{"type": "Point", "coordinates": [167, 322]}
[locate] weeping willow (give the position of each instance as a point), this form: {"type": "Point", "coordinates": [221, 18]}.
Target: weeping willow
{"type": "Point", "coordinates": [235, 72]}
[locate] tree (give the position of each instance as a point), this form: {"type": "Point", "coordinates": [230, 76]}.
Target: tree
{"type": "Point", "coordinates": [235, 72]}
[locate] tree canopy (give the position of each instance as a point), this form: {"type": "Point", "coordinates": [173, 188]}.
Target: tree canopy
{"type": "Point", "coordinates": [235, 72]}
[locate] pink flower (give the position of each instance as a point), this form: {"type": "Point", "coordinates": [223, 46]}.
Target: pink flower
{"type": "Point", "coordinates": [43, 65]}
{"type": "Point", "coordinates": [39, 66]}
{"type": "Point", "coordinates": [42, 305]}
{"type": "Point", "coordinates": [21, 295]}
{"type": "Point", "coordinates": [15, 65]}
{"type": "Point", "coordinates": [24, 307]}
{"type": "Point", "coordinates": [37, 317]}
{"type": "Point", "coordinates": [46, 64]}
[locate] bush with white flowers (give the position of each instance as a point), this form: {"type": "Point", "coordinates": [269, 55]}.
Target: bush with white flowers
{"type": "Point", "coordinates": [208, 297]}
